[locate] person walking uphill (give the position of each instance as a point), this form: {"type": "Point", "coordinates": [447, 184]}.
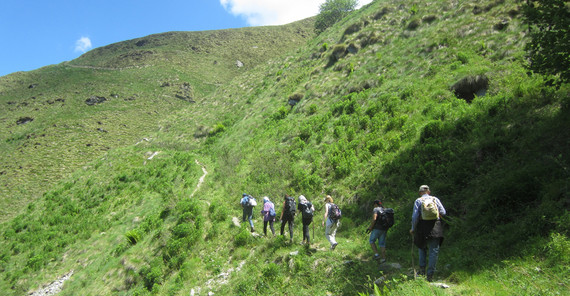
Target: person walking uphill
{"type": "Point", "coordinates": [306, 208]}
{"type": "Point", "coordinates": [382, 220]}
{"type": "Point", "coordinates": [268, 213]}
{"type": "Point", "coordinates": [427, 229]}
{"type": "Point", "coordinates": [247, 203]}
{"type": "Point", "coordinates": [332, 222]}
{"type": "Point", "coordinates": [288, 215]}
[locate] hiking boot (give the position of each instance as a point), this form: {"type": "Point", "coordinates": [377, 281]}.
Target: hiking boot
{"type": "Point", "coordinates": [376, 257]}
{"type": "Point", "coordinates": [430, 278]}
{"type": "Point", "coordinates": [334, 246]}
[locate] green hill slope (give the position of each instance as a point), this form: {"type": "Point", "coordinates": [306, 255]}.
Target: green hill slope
{"type": "Point", "coordinates": [58, 118]}
{"type": "Point", "coordinates": [396, 95]}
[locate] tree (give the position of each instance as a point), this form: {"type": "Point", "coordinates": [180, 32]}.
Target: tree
{"type": "Point", "coordinates": [333, 11]}
{"type": "Point", "coordinates": [549, 26]}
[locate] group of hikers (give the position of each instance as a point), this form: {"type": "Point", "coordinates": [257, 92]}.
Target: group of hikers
{"type": "Point", "coordinates": [426, 230]}
{"type": "Point", "coordinates": [287, 217]}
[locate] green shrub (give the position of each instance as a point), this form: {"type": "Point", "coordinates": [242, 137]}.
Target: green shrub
{"type": "Point", "coordinates": [332, 11]}
{"type": "Point", "coordinates": [558, 250]}
{"type": "Point", "coordinates": [270, 271]}
{"type": "Point", "coordinates": [151, 275]}
{"type": "Point", "coordinates": [243, 237]}
{"type": "Point", "coordinates": [133, 236]}
{"type": "Point", "coordinates": [280, 114]}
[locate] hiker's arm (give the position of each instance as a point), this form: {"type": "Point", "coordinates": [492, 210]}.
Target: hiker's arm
{"type": "Point", "coordinates": [282, 210]}
{"type": "Point", "coordinates": [373, 221]}
{"type": "Point", "coordinates": [440, 207]}
{"type": "Point", "coordinates": [326, 212]}
{"type": "Point", "coordinates": [415, 215]}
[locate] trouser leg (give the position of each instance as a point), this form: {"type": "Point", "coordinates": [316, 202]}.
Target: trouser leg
{"type": "Point", "coordinates": [433, 245]}
{"type": "Point", "coordinates": [422, 257]}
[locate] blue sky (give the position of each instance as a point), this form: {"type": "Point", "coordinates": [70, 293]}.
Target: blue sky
{"type": "Point", "coordinates": [37, 33]}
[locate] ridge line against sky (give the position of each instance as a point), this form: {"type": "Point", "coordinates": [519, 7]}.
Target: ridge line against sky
{"type": "Point", "coordinates": [40, 33]}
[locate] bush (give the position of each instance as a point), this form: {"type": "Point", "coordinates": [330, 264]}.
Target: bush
{"type": "Point", "coordinates": [151, 276]}
{"type": "Point", "coordinates": [558, 250]}
{"type": "Point", "coordinates": [333, 11]}
{"type": "Point", "coordinates": [133, 237]}
{"type": "Point", "coordinates": [244, 236]}
{"type": "Point", "coordinates": [549, 21]}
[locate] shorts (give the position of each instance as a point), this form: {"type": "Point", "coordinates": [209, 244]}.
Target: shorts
{"type": "Point", "coordinates": [379, 235]}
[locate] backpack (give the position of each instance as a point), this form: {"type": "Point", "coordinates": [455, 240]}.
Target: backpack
{"type": "Point", "coordinates": [386, 218]}
{"type": "Point", "coordinates": [334, 212]}
{"type": "Point", "coordinates": [307, 210]}
{"type": "Point", "coordinates": [251, 202]}
{"type": "Point", "coordinates": [290, 206]}
{"type": "Point", "coordinates": [429, 209]}
{"type": "Point", "coordinates": [272, 213]}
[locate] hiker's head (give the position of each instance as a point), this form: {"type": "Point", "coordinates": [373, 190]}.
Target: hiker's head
{"type": "Point", "coordinates": [265, 199]}
{"type": "Point", "coordinates": [328, 198]}
{"type": "Point", "coordinates": [245, 194]}
{"type": "Point", "coordinates": [302, 199]}
{"type": "Point", "coordinates": [424, 189]}
{"type": "Point", "coordinates": [377, 203]}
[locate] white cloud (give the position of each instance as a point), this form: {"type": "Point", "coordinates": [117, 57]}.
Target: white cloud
{"type": "Point", "coordinates": [275, 12]}
{"type": "Point", "coordinates": [83, 44]}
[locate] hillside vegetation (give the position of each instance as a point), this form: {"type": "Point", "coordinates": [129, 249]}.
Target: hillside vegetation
{"type": "Point", "coordinates": [58, 118]}
{"type": "Point", "coordinates": [396, 95]}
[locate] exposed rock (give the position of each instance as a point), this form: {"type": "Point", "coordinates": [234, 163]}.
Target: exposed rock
{"type": "Point", "coordinates": [239, 64]}
{"type": "Point", "coordinates": [414, 24]}
{"type": "Point", "coordinates": [94, 100]}
{"type": "Point", "coordinates": [501, 25]}
{"type": "Point", "coordinates": [235, 221]}
{"type": "Point", "coordinates": [33, 85]}
{"type": "Point", "coordinates": [381, 13]}
{"type": "Point", "coordinates": [294, 99]}
{"type": "Point", "coordinates": [24, 120]}
{"type": "Point", "coordinates": [352, 48]}
{"type": "Point", "coordinates": [469, 86]}
{"type": "Point", "coordinates": [53, 288]}
{"type": "Point", "coordinates": [429, 19]}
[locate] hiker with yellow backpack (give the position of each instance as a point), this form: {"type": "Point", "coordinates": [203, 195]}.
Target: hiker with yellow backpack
{"type": "Point", "coordinates": [427, 229]}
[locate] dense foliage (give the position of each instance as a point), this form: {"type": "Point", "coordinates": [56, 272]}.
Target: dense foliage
{"type": "Point", "coordinates": [549, 25]}
{"type": "Point", "coordinates": [332, 11]}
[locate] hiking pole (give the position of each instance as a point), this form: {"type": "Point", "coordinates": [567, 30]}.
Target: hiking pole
{"type": "Point", "coordinates": [412, 253]}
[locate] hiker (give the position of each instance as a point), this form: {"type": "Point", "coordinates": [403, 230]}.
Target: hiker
{"type": "Point", "coordinates": [379, 228]}
{"type": "Point", "coordinates": [307, 209]}
{"type": "Point", "coordinates": [268, 213]}
{"type": "Point", "coordinates": [247, 203]}
{"type": "Point", "coordinates": [288, 215]}
{"type": "Point", "coordinates": [331, 224]}
{"type": "Point", "coordinates": [427, 229]}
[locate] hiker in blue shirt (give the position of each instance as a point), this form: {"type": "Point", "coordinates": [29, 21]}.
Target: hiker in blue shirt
{"type": "Point", "coordinates": [247, 210]}
{"type": "Point", "coordinates": [427, 229]}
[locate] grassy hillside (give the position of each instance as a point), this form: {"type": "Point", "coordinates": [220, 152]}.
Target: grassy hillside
{"type": "Point", "coordinates": [396, 95]}
{"type": "Point", "coordinates": [58, 118]}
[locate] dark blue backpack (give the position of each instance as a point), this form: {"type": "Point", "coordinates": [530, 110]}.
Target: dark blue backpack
{"type": "Point", "coordinates": [334, 212]}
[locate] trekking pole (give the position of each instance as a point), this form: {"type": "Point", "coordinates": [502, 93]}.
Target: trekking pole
{"type": "Point", "coordinates": [412, 253]}
{"type": "Point", "coordinates": [313, 230]}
